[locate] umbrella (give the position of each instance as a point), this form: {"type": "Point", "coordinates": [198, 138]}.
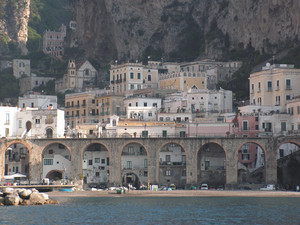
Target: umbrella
{"type": "Point", "coordinates": [8, 177]}
{"type": "Point", "coordinates": [18, 175]}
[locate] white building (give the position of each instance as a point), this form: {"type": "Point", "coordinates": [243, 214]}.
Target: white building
{"type": "Point", "coordinates": [141, 108]}
{"type": "Point", "coordinates": [95, 167]}
{"type": "Point", "coordinates": [38, 101]}
{"type": "Point", "coordinates": [40, 123]}
{"type": "Point", "coordinates": [199, 101]}
{"type": "Point", "coordinates": [8, 121]}
{"type": "Point", "coordinates": [56, 162]}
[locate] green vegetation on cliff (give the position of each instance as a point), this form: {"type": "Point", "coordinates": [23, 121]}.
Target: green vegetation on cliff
{"type": "Point", "coordinates": [45, 15]}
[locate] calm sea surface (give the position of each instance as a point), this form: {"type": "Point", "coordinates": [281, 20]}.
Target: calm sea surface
{"type": "Point", "coordinates": [158, 210]}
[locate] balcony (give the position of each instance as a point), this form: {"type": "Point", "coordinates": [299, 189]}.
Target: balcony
{"type": "Point", "coordinates": [112, 82]}
{"type": "Point", "coordinates": [164, 163]}
{"type": "Point", "coordinates": [83, 105]}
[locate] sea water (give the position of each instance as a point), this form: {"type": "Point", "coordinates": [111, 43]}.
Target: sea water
{"type": "Point", "coordinates": [158, 210]}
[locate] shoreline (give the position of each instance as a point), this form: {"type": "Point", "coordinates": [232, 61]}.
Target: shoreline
{"type": "Point", "coordinates": [176, 193]}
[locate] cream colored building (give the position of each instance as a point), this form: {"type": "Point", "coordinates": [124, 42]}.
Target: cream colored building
{"type": "Point", "coordinates": [293, 108]}
{"type": "Point", "coordinates": [108, 105]}
{"type": "Point", "coordinates": [81, 108]}
{"type": "Point", "coordinates": [78, 76]}
{"type": "Point", "coordinates": [182, 81]}
{"type": "Point", "coordinates": [274, 85]}
{"type": "Point", "coordinates": [128, 77]}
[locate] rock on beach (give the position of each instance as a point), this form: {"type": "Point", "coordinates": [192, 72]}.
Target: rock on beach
{"type": "Point", "coordinates": [14, 197]}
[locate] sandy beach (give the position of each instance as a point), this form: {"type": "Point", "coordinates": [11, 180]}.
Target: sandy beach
{"type": "Point", "coordinates": [176, 193]}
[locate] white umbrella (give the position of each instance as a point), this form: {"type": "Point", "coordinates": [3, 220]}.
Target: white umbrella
{"type": "Point", "coordinates": [8, 177]}
{"type": "Point", "coordinates": [18, 175]}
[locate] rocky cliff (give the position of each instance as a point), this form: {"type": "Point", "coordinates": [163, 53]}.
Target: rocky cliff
{"type": "Point", "coordinates": [127, 29]}
{"type": "Point", "coordinates": [14, 16]}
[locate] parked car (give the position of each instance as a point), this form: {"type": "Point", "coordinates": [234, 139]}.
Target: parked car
{"type": "Point", "coordinates": [204, 187]}
{"type": "Point", "coordinates": [245, 188]}
{"type": "Point", "coordinates": [220, 188]}
{"type": "Point", "coordinates": [269, 187]}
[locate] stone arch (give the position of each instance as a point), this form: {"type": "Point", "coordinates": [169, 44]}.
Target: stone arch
{"type": "Point", "coordinates": [58, 160]}
{"type": "Point", "coordinates": [213, 171]}
{"type": "Point", "coordinates": [287, 164]}
{"type": "Point", "coordinates": [100, 176]}
{"type": "Point", "coordinates": [169, 167]}
{"type": "Point", "coordinates": [259, 172]}
{"type": "Point", "coordinates": [8, 144]}
{"type": "Point", "coordinates": [135, 183]}
{"type": "Point", "coordinates": [53, 174]}
{"type": "Point", "coordinates": [142, 172]}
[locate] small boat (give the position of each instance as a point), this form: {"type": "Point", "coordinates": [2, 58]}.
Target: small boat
{"type": "Point", "coordinates": [66, 189]}
{"type": "Point", "coordinates": [120, 191]}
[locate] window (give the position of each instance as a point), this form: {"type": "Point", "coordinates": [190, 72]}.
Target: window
{"type": "Point", "coordinates": [129, 165]}
{"type": "Point", "coordinates": [50, 152]}
{"type": "Point", "coordinates": [131, 86]}
{"type": "Point", "coordinates": [97, 174]}
{"type": "Point", "coordinates": [131, 76]}
{"type": "Point", "coordinates": [277, 85]}
{"type": "Point", "coordinates": [288, 84]}
{"type": "Point", "coordinates": [90, 162]}
{"type": "Point", "coordinates": [258, 86]}
{"type": "Point", "coordinates": [283, 126]}
{"type": "Point", "coordinates": [207, 164]}
{"type": "Point", "coordinates": [168, 158]}
{"type": "Point", "coordinates": [7, 118]}
{"type": "Point", "coordinates": [259, 101]}
{"type": "Point", "coordinates": [150, 114]}
{"type": "Point", "coordinates": [20, 123]}
{"type": "Point", "coordinates": [245, 125]}
{"type": "Point", "coordinates": [145, 104]}
{"type": "Point", "coordinates": [281, 153]}
{"type": "Point", "coordinates": [139, 76]}
{"type": "Point", "coordinates": [288, 97]}
{"type": "Point", "coordinates": [145, 163]}
{"type": "Point", "coordinates": [102, 161]}
{"type": "Point", "coordinates": [277, 100]}
{"type": "Point", "coordinates": [37, 121]}
{"type": "Point", "coordinates": [169, 172]}
{"type": "Point", "coordinates": [48, 162]}
{"type": "Point", "coordinates": [130, 150]}
{"type": "Point", "coordinates": [149, 77]}
{"type": "Point", "coordinates": [269, 85]}
{"type": "Point", "coordinates": [161, 119]}
{"type": "Point", "coordinates": [97, 160]}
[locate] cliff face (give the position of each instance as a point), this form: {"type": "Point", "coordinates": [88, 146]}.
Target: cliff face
{"type": "Point", "coordinates": [14, 16]}
{"type": "Point", "coordinates": [124, 29]}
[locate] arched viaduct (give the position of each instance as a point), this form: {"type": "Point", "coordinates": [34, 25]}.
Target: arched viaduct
{"type": "Point", "coordinates": [114, 146]}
